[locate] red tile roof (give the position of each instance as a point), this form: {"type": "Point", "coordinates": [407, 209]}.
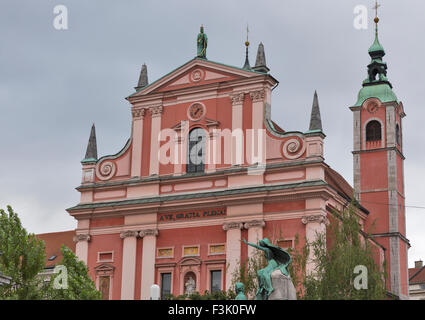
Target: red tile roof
{"type": "Point", "coordinates": [53, 242]}
{"type": "Point", "coordinates": [338, 182]}
{"type": "Point", "coordinates": [417, 275]}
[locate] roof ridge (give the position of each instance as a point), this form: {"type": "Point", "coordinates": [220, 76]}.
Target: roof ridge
{"type": "Point", "coordinates": [419, 271]}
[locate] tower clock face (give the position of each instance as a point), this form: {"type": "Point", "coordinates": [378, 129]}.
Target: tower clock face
{"type": "Point", "coordinates": [372, 105]}
{"type": "Point", "coordinates": [196, 112]}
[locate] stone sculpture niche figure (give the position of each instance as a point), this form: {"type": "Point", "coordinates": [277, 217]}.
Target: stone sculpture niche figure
{"type": "Point", "coordinates": [202, 43]}
{"type": "Point", "coordinates": [190, 286]}
{"type": "Point", "coordinates": [277, 258]}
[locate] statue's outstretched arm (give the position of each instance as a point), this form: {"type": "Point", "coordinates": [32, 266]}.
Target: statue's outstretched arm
{"type": "Point", "coordinates": [253, 245]}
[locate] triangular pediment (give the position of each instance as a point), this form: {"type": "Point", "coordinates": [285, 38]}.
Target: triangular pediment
{"type": "Point", "coordinates": [195, 73]}
{"type": "Point", "coordinates": [104, 267]}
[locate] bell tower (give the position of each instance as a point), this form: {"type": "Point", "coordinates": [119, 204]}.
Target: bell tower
{"type": "Point", "coordinates": [378, 166]}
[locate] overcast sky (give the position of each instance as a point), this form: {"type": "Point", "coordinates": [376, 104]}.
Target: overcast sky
{"type": "Point", "coordinates": [55, 83]}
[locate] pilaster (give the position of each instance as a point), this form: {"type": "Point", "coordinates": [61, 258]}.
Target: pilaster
{"type": "Point", "coordinates": [137, 143]}
{"type": "Point", "coordinates": [156, 114]}
{"type": "Point", "coordinates": [255, 233]}
{"type": "Point", "coordinates": [233, 249]}
{"type": "Point", "coordinates": [148, 261]}
{"type": "Point", "coordinates": [128, 264]}
{"type": "Point", "coordinates": [82, 246]}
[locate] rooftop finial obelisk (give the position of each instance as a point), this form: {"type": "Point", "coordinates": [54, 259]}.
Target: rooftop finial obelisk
{"type": "Point", "coordinates": [315, 119]}
{"type": "Point", "coordinates": [91, 152]}
{"type": "Point", "coordinates": [143, 78]}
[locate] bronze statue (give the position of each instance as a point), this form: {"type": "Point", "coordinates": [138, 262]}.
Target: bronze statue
{"type": "Point", "coordinates": [240, 291]}
{"type": "Point", "coordinates": [202, 43]}
{"type": "Point", "coordinates": [277, 258]}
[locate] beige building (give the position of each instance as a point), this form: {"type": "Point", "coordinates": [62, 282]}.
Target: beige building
{"type": "Point", "coordinates": [417, 281]}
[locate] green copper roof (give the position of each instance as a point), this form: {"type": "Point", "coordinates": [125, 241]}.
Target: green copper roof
{"type": "Point", "coordinates": [376, 85]}
{"type": "Point", "coordinates": [381, 91]}
{"type": "Point", "coordinates": [376, 46]}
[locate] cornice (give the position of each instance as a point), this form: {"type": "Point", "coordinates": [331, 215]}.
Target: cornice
{"type": "Point", "coordinates": [198, 177]}
{"type": "Point", "coordinates": [247, 192]}
{"type": "Point", "coordinates": [380, 149]}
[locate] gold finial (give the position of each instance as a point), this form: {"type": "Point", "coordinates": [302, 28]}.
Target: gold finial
{"type": "Point", "coordinates": [377, 5]}
{"type": "Point", "coordinates": [247, 31]}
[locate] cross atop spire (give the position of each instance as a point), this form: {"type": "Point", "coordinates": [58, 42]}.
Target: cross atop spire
{"type": "Point", "coordinates": [376, 7]}
{"type": "Point", "coordinates": [246, 65]}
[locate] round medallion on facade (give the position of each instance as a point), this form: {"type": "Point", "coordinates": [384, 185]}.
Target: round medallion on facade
{"type": "Point", "coordinates": [197, 75]}
{"type": "Point", "coordinates": [372, 105]}
{"type": "Point", "coordinates": [105, 170]}
{"type": "Point", "coordinates": [196, 111]}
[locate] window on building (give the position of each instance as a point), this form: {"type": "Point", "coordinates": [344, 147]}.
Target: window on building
{"type": "Point", "coordinates": [165, 284]}
{"type": "Point", "coordinates": [397, 134]}
{"type": "Point", "coordinates": [373, 131]}
{"type": "Point", "coordinates": [105, 256]}
{"type": "Point", "coordinates": [104, 285]}
{"type": "Point", "coordinates": [196, 151]}
{"type": "Point", "coordinates": [215, 281]}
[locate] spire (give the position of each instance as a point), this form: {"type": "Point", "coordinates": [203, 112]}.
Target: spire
{"type": "Point", "coordinates": [91, 153]}
{"type": "Point", "coordinates": [260, 62]}
{"type": "Point", "coordinates": [143, 79]}
{"type": "Point", "coordinates": [246, 65]}
{"type": "Point", "coordinates": [376, 85]}
{"type": "Point", "coordinates": [315, 120]}
{"type": "Point", "coordinates": [377, 69]}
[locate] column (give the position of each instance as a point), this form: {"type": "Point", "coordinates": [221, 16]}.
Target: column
{"type": "Point", "coordinates": [233, 249]}
{"type": "Point", "coordinates": [256, 141]}
{"type": "Point", "coordinates": [128, 264]}
{"type": "Point", "coordinates": [257, 98]}
{"type": "Point", "coordinates": [212, 152]}
{"type": "Point", "coordinates": [136, 155]}
{"type": "Point", "coordinates": [182, 130]}
{"type": "Point", "coordinates": [255, 233]}
{"type": "Point", "coordinates": [82, 246]}
{"type": "Point", "coordinates": [148, 261]}
{"type": "Point", "coordinates": [237, 129]}
{"type": "Point", "coordinates": [156, 113]}
{"type": "Point", "coordinates": [314, 225]}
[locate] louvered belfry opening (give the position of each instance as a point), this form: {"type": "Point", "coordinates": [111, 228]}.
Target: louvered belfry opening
{"type": "Point", "coordinates": [373, 131]}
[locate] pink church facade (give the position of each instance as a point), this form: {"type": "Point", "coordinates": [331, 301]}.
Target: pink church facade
{"type": "Point", "coordinates": [152, 214]}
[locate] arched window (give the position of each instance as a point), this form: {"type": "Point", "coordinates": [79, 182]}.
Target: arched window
{"type": "Point", "coordinates": [397, 134]}
{"type": "Point", "coordinates": [196, 151]}
{"type": "Point", "coordinates": [373, 131]}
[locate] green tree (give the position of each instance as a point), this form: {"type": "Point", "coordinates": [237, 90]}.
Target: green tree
{"type": "Point", "coordinates": [335, 258]}
{"type": "Point", "coordinates": [21, 258]}
{"type": "Point", "coordinates": [247, 273]}
{"type": "Point", "coordinates": [78, 284]}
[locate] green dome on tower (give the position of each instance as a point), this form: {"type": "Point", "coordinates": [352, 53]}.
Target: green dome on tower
{"type": "Point", "coordinates": [376, 85]}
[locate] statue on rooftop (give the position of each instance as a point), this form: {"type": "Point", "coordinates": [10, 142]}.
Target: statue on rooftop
{"type": "Point", "coordinates": [202, 43]}
{"type": "Point", "coordinates": [279, 284]}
